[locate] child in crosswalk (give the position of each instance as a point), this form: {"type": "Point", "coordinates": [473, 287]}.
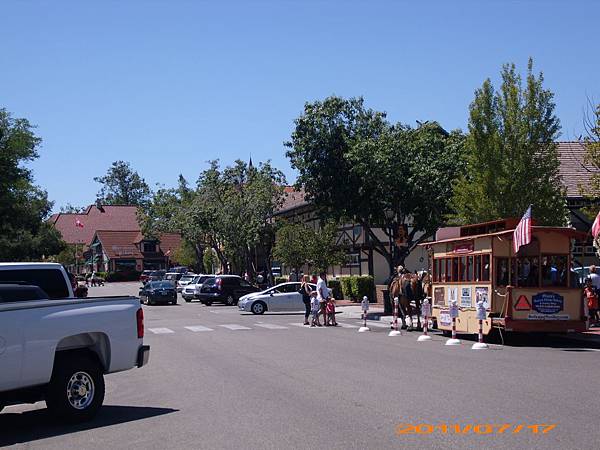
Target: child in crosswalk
{"type": "Point", "coordinates": [315, 307]}
{"type": "Point", "coordinates": [330, 308]}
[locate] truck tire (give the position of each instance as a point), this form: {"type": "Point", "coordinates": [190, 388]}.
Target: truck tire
{"type": "Point", "coordinates": [76, 389]}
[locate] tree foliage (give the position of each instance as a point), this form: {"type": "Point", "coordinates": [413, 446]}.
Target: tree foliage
{"type": "Point", "coordinates": [353, 165]}
{"type": "Point", "coordinates": [229, 211]}
{"type": "Point", "coordinates": [297, 245]}
{"type": "Point", "coordinates": [511, 155]}
{"type": "Point", "coordinates": [24, 233]}
{"type": "Point", "coordinates": [122, 186]}
{"type": "Point", "coordinates": [592, 155]}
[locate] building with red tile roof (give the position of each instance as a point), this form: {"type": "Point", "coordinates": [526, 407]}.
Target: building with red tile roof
{"type": "Point", "coordinates": [113, 238]}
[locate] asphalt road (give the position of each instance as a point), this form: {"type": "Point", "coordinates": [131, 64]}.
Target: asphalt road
{"type": "Point", "coordinates": [235, 381]}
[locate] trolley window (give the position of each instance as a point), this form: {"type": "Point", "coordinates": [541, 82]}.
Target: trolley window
{"type": "Point", "coordinates": [554, 270]}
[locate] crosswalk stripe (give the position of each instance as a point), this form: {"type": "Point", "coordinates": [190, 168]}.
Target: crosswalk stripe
{"type": "Point", "coordinates": [376, 324]}
{"type": "Point", "coordinates": [271, 326]}
{"type": "Point", "coordinates": [347, 325]}
{"type": "Point", "coordinates": [196, 328]}
{"type": "Point", "coordinates": [161, 330]}
{"type": "Point", "coordinates": [235, 327]}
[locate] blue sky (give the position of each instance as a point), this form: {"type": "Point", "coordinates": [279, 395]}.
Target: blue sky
{"type": "Point", "coordinates": [169, 85]}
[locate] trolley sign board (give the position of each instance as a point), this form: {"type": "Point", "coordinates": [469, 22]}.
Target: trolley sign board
{"type": "Point", "coordinates": [463, 247]}
{"type": "Point", "coordinates": [547, 303]}
{"type": "Point", "coordinates": [445, 318]}
{"type": "Point", "coordinates": [438, 296]}
{"type": "Point", "coordinates": [465, 297]}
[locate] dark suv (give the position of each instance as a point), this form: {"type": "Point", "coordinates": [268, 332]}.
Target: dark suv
{"type": "Point", "coordinates": [224, 289]}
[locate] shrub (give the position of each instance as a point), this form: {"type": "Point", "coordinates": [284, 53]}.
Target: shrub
{"type": "Point", "coordinates": [336, 288]}
{"type": "Point", "coordinates": [346, 286]}
{"type": "Point", "coordinates": [365, 285]}
{"type": "Point", "coordinates": [101, 274]}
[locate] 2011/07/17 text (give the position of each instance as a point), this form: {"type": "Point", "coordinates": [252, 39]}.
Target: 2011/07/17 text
{"type": "Point", "coordinates": [471, 428]}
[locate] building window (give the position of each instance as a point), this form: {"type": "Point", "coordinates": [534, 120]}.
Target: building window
{"type": "Point", "coordinates": [353, 259]}
{"type": "Point", "coordinates": [149, 246]}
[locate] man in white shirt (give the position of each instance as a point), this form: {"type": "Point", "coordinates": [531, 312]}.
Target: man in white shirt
{"type": "Point", "coordinates": [322, 295]}
{"type": "Point", "coordinates": [595, 278]}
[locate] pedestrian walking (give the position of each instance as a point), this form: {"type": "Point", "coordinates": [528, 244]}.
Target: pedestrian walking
{"type": "Point", "coordinates": [323, 295]}
{"type": "Point", "coordinates": [315, 309]}
{"type": "Point", "coordinates": [595, 278]}
{"type": "Point", "coordinates": [305, 291]}
{"type": "Point", "coordinates": [330, 308]}
{"type": "Point", "coordinates": [591, 296]}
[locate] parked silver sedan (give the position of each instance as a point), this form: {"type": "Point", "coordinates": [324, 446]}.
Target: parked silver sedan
{"type": "Point", "coordinates": [280, 298]}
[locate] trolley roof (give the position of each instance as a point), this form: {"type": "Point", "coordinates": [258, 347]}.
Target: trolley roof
{"type": "Point", "coordinates": [565, 231]}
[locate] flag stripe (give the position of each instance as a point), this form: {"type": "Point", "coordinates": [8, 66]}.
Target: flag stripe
{"type": "Point", "coordinates": [596, 226]}
{"type": "Point", "coordinates": [522, 234]}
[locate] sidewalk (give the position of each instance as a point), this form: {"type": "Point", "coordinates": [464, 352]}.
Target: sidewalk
{"type": "Point", "coordinates": [354, 311]}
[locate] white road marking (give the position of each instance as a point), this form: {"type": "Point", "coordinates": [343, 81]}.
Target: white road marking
{"type": "Point", "coordinates": [347, 325]}
{"type": "Point", "coordinates": [271, 326]}
{"type": "Point", "coordinates": [301, 325]}
{"type": "Point", "coordinates": [161, 330]}
{"type": "Point", "coordinates": [377, 324]}
{"type": "Point", "coordinates": [235, 327]}
{"type": "Point", "coordinates": [196, 328]}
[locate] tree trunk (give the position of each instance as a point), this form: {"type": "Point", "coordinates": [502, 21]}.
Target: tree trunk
{"type": "Point", "coordinates": [199, 250]}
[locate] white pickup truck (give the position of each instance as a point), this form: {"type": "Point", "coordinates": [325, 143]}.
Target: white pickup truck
{"type": "Point", "coordinates": [56, 347]}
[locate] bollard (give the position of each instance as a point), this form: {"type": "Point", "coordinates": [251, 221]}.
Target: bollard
{"type": "Point", "coordinates": [454, 315]}
{"type": "Point", "coordinates": [395, 331]}
{"type": "Point", "coordinates": [426, 309]}
{"type": "Point", "coordinates": [365, 308]}
{"type": "Point", "coordinates": [480, 345]}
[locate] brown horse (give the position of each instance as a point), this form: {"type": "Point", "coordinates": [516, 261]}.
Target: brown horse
{"type": "Point", "coordinates": [408, 287]}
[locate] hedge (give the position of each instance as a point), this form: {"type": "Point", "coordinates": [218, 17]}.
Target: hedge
{"type": "Point", "coordinates": [346, 287]}
{"type": "Point", "coordinates": [279, 280]}
{"type": "Point", "coordinates": [123, 276]}
{"type": "Point", "coordinates": [336, 288]}
{"type": "Point", "coordinates": [356, 287]}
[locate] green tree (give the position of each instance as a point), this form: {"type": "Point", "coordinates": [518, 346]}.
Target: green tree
{"type": "Point", "coordinates": [70, 209]}
{"type": "Point", "coordinates": [323, 250]}
{"type": "Point", "coordinates": [511, 154]}
{"type": "Point", "coordinates": [592, 155]}
{"type": "Point", "coordinates": [24, 207]}
{"type": "Point", "coordinates": [122, 186]}
{"type": "Point", "coordinates": [210, 261]}
{"type": "Point", "coordinates": [292, 245]}
{"type": "Point", "coordinates": [354, 165]}
{"type": "Point", "coordinates": [185, 255]}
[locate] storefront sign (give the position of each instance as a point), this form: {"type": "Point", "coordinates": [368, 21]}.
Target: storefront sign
{"type": "Point", "coordinates": [465, 297]}
{"type": "Point", "coordinates": [547, 303]}
{"type": "Point", "coordinates": [481, 295]}
{"type": "Point", "coordinates": [438, 296]}
{"type": "Point", "coordinates": [445, 318]}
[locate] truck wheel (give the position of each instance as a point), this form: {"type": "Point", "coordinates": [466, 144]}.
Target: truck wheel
{"type": "Point", "coordinates": [230, 300]}
{"type": "Point", "coordinates": [76, 389]}
{"type": "Point", "coordinates": [187, 299]}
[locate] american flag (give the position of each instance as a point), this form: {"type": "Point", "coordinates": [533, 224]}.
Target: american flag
{"type": "Point", "coordinates": [522, 234]}
{"type": "Point", "coordinates": [596, 226]}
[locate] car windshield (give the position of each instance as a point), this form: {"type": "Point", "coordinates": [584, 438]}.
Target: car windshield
{"type": "Point", "coordinates": [186, 278]}
{"type": "Point", "coordinates": [161, 285]}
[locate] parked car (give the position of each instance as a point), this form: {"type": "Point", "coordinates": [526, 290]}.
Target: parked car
{"type": "Point", "coordinates": [225, 289]}
{"type": "Point", "coordinates": [184, 281]}
{"type": "Point", "coordinates": [179, 269]}
{"type": "Point", "coordinates": [155, 292]}
{"type": "Point", "coordinates": [283, 297]}
{"type": "Point", "coordinates": [145, 276]}
{"type": "Point", "coordinates": [157, 275]}
{"type": "Point", "coordinates": [173, 277]}
{"type": "Point", "coordinates": [192, 290]}
{"type": "Point", "coordinates": [57, 348]}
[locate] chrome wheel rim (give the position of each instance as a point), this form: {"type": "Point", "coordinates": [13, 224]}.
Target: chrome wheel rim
{"type": "Point", "coordinates": [258, 308]}
{"type": "Point", "coordinates": [80, 390]}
